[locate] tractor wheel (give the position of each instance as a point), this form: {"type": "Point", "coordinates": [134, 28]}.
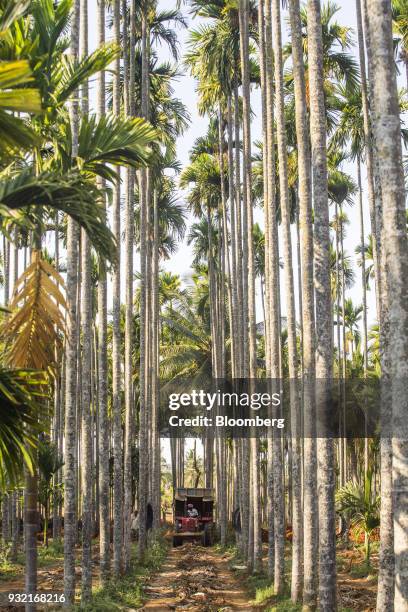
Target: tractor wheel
{"type": "Point", "coordinates": [207, 537]}
{"type": "Point", "coordinates": [176, 541]}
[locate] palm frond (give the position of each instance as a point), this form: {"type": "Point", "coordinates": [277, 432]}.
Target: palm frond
{"type": "Point", "coordinates": [113, 140]}
{"type": "Point", "coordinates": [22, 417]}
{"type": "Point", "coordinates": [72, 75]}
{"type": "Point", "coordinates": [33, 331]}
{"type": "Point", "coordinates": [72, 193]}
{"type": "Point", "coordinates": [11, 10]}
{"type": "Point", "coordinates": [14, 132]}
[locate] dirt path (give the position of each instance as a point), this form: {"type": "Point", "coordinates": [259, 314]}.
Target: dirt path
{"type": "Point", "coordinates": [197, 579]}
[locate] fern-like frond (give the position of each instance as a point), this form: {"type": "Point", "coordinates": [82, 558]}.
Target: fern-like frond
{"type": "Point", "coordinates": [34, 329]}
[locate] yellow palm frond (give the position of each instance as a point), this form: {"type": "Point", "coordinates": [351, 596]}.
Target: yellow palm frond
{"type": "Point", "coordinates": [34, 329]}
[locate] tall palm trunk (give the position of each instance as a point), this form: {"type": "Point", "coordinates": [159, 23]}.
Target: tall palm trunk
{"type": "Point", "coordinates": [368, 142]}
{"type": "Point", "coordinates": [6, 268]}
{"type": "Point", "coordinates": [86, 362]}
{"type": "Point", "coordinates": [270, 320]}
{"type": "Point", "coordinates": [250, 366]}
{"type": "Point", "coordinates": [156, 467]}
{"type": "Point", "coordinates": [116, 337]}
{"type": "Point", "coordinates": [297, 549]}
{"type": "Point", "coordinates": [15, 526]}
{"type": "Point", "coordinates": [143, 431]}
{"type": "Point", "coordinates": [324, 334]}
{"type": "Point", "coordinates": [246, 162]}
{"type": "Point", "coordinates": [103, 450]}
{"type": "Point", "coordinates": [385, 593]}
{"type": "Point", "coordinates": [306, 242]}
{"type": "Point", "coordinates": [386, 126]}
{"type": "Point", "coordinates": [272, 306]}
{"type": "Point", "coordinates": [242, 326]}
{"type": "Point", "coordinates": [225, 278]}
{"type": "Point", "coordinates": [71, 357]}
{"type": "Point", "coordinates": [238, 225]}
{"type": "Point", "coordinates": [264, 59]}
{"type": "Point", "coordinates": [86, 422]}
{"type": "Point", "coordinates": [5, 522]}
{"type": "Point", "coordinates": [128, 85]}
{"type": "Point", "coordinates": [233, 280]}
{"type": "Point", "coordinates": [57, 410]}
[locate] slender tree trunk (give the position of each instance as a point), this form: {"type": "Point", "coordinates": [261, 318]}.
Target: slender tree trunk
{"type": "Point", "coordinates": [86, 362]}
{"type": "Point", "coordinates": [385, 593]}
{"type": "Point", "coordinates": [103, 450]}
{"type": "Point", "coordinates": [156, 468]}
{"type": "Point", "coordinates": [225, 277]}
{"type": "Point", "coordinates": [71, 357]}
{"type": "Point", "coordinates": [31, 520]}
{"type": "Point", "coordinates": [242, 326]}
{"type": "Point", "coordinates": [272, 306]}
{"type": "Point", "coordinates": [15, 526]}
{"type": "Point", "coordinates": [386, 126]}
{"type": "Point", "coordinates": [368, 142]}
{"type": "Point", "coordinates": [6, 268]}
{"type": "Point", "coordinates": [250, 365]}
{"type": "Point", "coordinates": [143, 432]}
{"type": "Point", "coordinates": [5, 519]}
{"type": "Point", "coordinates": [324, 333]}
{"type": "Point", "coordinates": [364, 291]}
{"type": "Point", "coordinates": [306, 241]}
{"type": "Point", "coordinates": [234, 275]}
{"type": "Point", "coordinates": [116, 337]}
{"type": "Point", "coordinates": [86, 432]}
{"type": "Point", "coordinates": [297, 549]}
{"type": "Point", "coordinates": [238, 225]}
{"type": "Point", "coordinates": [128, 86]}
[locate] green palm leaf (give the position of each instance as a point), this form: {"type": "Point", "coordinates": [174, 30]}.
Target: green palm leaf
{"type": "Point", "coordinates": [73, 194]}
{"type": "Point", "coordinates": [11, 10]}
{"type": "Point", "coordinates": [70, 75]}
{"type": "Point", "coordinates": [113, 140]}
{"type": "Point", "coordinates": [22, 417]}
{"type": "Point", "coordinates": [14, 132]}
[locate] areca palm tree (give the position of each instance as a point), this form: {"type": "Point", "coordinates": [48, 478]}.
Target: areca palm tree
{"type": "Point", "coordinates": [395, 250]}
{"type": "Point", "coordinates": [188, 354]}
{"type": "Point", "coordinates": [350, 316]}
{"type": "Point", "coordinates": [285, 210]}
{"type": "Point", "coordinates": [325, 447]}
{"type": "Point", "coordinates": [338, 64]}
{"type": "Point", "coordinates": [308, 323]}
{"type": "Point", "coordinates": [116, 335]}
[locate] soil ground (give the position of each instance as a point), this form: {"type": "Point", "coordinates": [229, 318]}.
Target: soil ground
{"type": "Point", "coordinates": [194, 578]}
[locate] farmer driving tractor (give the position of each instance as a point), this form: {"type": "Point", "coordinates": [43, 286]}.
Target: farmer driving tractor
{"type": "Point", "coordinates": [191, 511]}
{"type": "Point", "coordinates": [193, 515]}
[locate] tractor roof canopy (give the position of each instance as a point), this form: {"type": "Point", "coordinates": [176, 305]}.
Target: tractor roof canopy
{"type": "Point", "coordinates": [205, 494]}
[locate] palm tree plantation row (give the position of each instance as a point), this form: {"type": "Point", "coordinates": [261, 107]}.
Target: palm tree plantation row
{"type": "Point", "coordinates": [95, 319]}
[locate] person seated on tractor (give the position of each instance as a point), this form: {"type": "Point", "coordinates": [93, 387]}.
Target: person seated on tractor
{"type": "Point", "coordinates": [191, 511]}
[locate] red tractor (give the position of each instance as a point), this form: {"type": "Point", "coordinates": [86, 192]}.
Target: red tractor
{"type": "Point", "coordinates": [200, 527]}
